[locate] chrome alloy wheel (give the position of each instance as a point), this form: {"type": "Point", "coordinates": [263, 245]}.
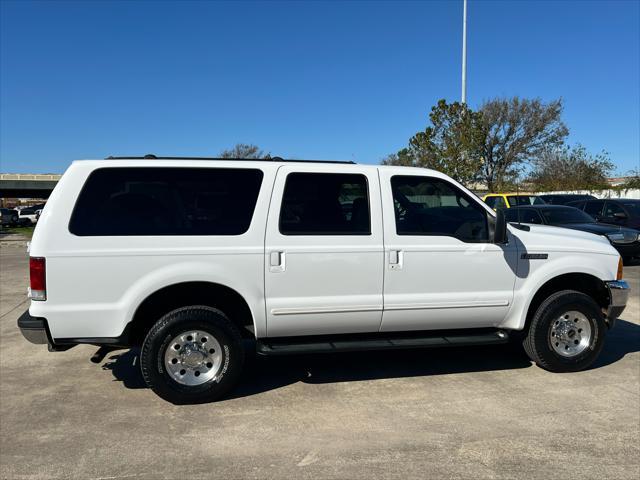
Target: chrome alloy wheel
{"type": "Point", "coordinates": [570, 334]}
{"type": "Point", "coordinates": [193, 357]}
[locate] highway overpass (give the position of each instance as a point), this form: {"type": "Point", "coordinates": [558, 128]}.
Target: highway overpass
{"type": "Point", "coordinates": [27, 185]}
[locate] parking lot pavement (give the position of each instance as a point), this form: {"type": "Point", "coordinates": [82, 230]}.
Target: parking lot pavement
{"type": "Point", "coordinates": [463, 413]}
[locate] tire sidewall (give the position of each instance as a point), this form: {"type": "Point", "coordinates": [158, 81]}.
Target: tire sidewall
{"type": "Point", "coordinates": [159, 339]}
{"type": "Point", "coordinates": [551, 312]}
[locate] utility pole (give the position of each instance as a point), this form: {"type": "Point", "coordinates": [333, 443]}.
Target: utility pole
{"type": "Point", "coordinates": [464, 52]}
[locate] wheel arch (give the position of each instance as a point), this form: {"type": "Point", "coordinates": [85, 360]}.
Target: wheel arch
{"type": "Point", "coordinates": [586, 283]}
{"type": "Point", "coordinates": [185, 293]}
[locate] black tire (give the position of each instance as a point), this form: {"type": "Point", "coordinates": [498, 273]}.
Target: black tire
{"type": "Point", "coordinates": [537, 342]}
{"type": "Point", "coordinates": [157, 341]}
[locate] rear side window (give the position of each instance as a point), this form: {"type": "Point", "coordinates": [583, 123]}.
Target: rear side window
{"type": "Point", "coordinates": [578, 204]}
{"type": "Point", "coordinates": [496, 202]}
{"type": "Point", "coordinates": [522, 215]}
{"type": "Point", "coordinates": [594, 208]}
{"type": "Point", "coordinates": [516, 200]}
{"type": "Point", "coordinates": [325, 204]}
{"type": "Point", "coordinates": [166, 201]}
{"type": "Point", "coordinates": [633, 207]}
{"type": "Point", "coordinates": [612, 209]}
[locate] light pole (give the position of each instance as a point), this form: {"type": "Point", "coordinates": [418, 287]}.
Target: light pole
{"type": "Point", "coordinates": [464, 52]}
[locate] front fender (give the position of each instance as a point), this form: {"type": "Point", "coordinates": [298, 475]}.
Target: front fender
{"type": "Point", "coordinates": [534, 274]}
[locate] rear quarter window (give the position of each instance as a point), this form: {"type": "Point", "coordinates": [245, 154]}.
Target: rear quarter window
{"type": "Point", "coordinates": [166, 201]}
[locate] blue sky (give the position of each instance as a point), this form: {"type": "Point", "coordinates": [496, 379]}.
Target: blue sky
{"type": "Point", "coordinates": [332, 80]}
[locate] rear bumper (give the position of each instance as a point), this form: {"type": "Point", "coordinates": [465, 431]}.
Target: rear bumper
{"type": "Point", "coordinates": [34, 329]}
{"type": "Point", "coordinates": [618, 297]}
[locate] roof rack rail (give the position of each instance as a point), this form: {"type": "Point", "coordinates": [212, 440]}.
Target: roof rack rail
{"type": "Point", "coordinates": [150, 156]}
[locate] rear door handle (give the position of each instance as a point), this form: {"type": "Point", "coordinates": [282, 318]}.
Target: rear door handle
{"type": "Point", "coordinates": [276, 262]}
{"type": "Point", "coordinates": [395, 259]}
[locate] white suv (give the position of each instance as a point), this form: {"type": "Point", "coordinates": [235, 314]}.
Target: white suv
{"type": "Point", "coordinates": [27, 216]}
{"type": "Point", "coordinates": [189, 257]}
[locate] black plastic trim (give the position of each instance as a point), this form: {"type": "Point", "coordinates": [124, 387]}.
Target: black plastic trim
{"type": "Point", "coordinates": [36, 330]}
{"type": "Point", "coordinates": [273, 159]}
{"type": "Point", "coordinates": [385, 341]}
{"type": "Point", "coordinates": [27, 322]}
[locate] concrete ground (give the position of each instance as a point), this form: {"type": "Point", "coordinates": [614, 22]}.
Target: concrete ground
{"type": "Point", "coordinates": [456, 413]}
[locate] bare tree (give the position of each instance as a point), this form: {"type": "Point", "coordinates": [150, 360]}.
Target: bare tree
{"type": "Point", "coordinates": [244, 150]}
{"type": "Point", "coordinates": [517, 131]}
{"type": "Point", "coordinates": [570, 169]}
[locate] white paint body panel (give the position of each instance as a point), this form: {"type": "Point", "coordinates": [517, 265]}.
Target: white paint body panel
{"type": "Point", "coordinates": [95, 284]}
{"type": "Point", "coordinates": [442, 282]}
{"type": "Point", "coordinates": [329, 284]}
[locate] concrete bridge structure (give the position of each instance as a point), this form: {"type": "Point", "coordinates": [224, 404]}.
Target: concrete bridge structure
{"type": "Point", "coordinates": [27, 185]}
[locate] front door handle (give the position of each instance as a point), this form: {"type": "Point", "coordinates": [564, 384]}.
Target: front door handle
{"type": "Point", "coordinates": [275, 259]}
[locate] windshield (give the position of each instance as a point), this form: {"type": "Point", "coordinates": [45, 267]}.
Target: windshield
{"type": "Point", "coordinates": [566, 215]}
{"type": "Point", "coordinates": [515, 200]}
{"type": "Point", "coordinates": [633, 207]}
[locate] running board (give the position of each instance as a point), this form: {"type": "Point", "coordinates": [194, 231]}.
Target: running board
{"type": "Point", "coordinates": [297, 345]}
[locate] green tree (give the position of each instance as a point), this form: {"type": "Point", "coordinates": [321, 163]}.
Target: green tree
{"type": "Point", "coordinates": [633, 180]}
{"type": "Point", "coordinates": [403, 158]}
{"type": "Point", "coordinates": [517, 131]}
{"type": "Point", "coordinates": [452, 144]}
{"type": "Point", "coordinates": [570, 168]}
{"type": "Point", "coordinates": [244, 150]}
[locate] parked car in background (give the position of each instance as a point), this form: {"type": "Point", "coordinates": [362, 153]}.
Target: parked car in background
{"type": "Point", "coordinates": [9, 217]}
{"type": "Point", "coordinates": [625, 240]}
{"type": "Point", "coordinates": [620, 211]}
{"type": "Point", "coordinates": [564, 198]}
{"type": "Point", "coordinates": [510, 200]}
{"type": "Point", "coordinates": [27, 216]}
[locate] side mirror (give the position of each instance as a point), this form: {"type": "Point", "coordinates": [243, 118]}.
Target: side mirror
{"type": "Point", "coordinates": [500, 228]}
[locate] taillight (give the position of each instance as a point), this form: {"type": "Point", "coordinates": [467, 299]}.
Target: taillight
{"type": "Point", "coordinates": [38, 278]}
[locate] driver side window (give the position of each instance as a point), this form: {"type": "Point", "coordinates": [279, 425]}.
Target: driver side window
{"type": "Point", "coordinates": [611, 209]}
{"type": "Point", "coordinates": [431, 206]}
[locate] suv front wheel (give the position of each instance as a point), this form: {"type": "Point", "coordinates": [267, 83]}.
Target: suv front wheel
{"type": "Point", "coordinates": [566, 333]}
{"type": "Point", "coordinates": [192, 355]}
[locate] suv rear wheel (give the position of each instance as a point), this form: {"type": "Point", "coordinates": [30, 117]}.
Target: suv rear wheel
{"type": "Point", "coordinates": [566, 333]}
{"type": "Point", "coordinates": [192, 355]}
